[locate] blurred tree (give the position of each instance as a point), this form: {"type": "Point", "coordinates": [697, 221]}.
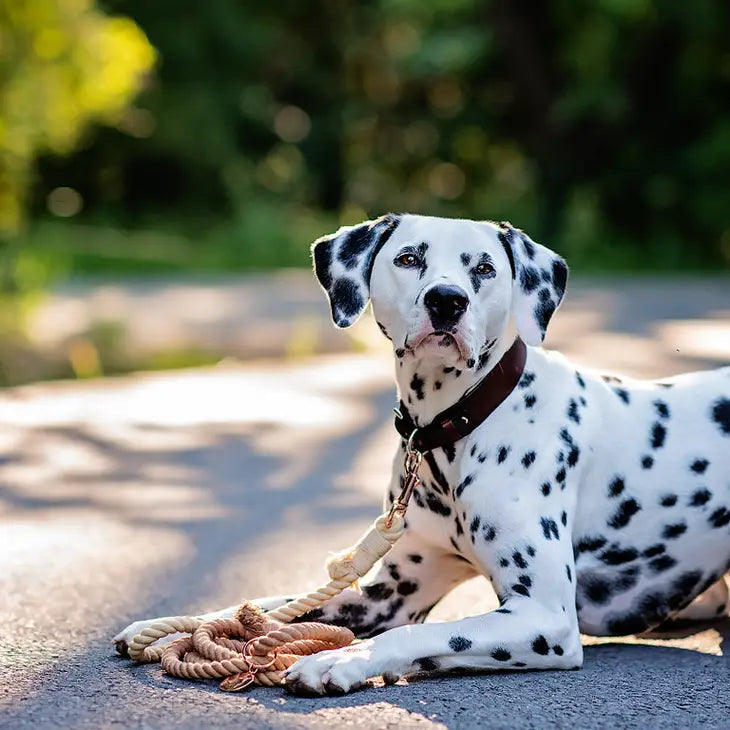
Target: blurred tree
{"type": "Point", "coordinates": [599, 125]}
{"type": "Point", "coordinates": [63, 65]}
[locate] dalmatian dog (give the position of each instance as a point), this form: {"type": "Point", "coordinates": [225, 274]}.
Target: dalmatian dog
{"type": "Point", "coordinates": [592, 503]}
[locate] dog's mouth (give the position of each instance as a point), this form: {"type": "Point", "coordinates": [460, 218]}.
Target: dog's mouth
{"type": "Point", "coordinates": [442, 338]}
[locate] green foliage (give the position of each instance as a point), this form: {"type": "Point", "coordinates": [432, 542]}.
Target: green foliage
{"type": "Point", "coordinates": [599, 126]}
{"type": "Point", "coordinates": [63, 65]}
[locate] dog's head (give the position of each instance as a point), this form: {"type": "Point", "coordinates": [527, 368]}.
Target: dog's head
{"type": "Point", "coordinates": [440, 283]}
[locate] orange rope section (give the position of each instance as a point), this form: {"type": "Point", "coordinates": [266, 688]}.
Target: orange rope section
{"type": "Point", "coordinates": [257, 647]}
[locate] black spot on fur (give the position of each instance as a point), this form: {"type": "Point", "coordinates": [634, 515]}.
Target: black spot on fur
{"type": "Point", "coordinates": [626, 510]}
{"type": "Point", "coordinates": [699, 466]}
{"type": "Point", "coordinates": [528, 459]}
{"type": "Point", "coordinates": [501, 610]}
{"type": "Point", "coordinates": [564, 518]}
{"type": "Point", "coordinates": [700, 497]}
{"type": "Point", "coordinates": [355, 243]}
{"type": "Point", "coordinates": [545, 488]}
{"type": "Point", "coordinates": [617, 556]}
{"type": "Point", "coordinates": [668, 500]}
{"type": "Point", "coordinates": [520, 562]}
{"type": "Point", "coordinates": [407, 587]}
{"type": "Point", "coordinates": [549, 528]}
{"type": "Point", "coordinates": [529, 279]}
{"type": "Point", "coordinates": [543, 312]}
{"type": "Point", "coordinates": [616, 486]}
{"type": "Point", "coordinates": [568, 573]}
{"type": "Point", "coordinates": [378, 591]}
{"type": "Point", "coordinates": [662, 563]}
{"type": "Point", "coordinates": [573, 413]}
{"type": "Point", "coordinates": [687, 582]}
{"type": "Point", "coordinates": [436, 505]}
{"type": "Point", "coordinates": [531, 551]}
{"type": "Point", "coordinates": [427, 664]}
{"type": "Point", "coordinates": [465, 482]}
{"type": "Point", "coordinates": [459, 643]}
{"type": "Point", "coordinates": [654, 550]}
{"type": "Point", "coordinates": [658, 435]}
{"type": "Point", "coordinates": [417, 384]}
{"type": "Point", "coordinates": [611, 379]}
{"type": "Point", "coordinates": [522, 590]}
{"type": "Point", "coordinates": [560, 477]}
{"type": "Point", "coordinates": [672, 532]}
{"type": "Point", "coordinates": [345, 300]}
{"type": "Point", "coordinates": [720, 517]}
{"type": "Point", "coordinates": [558, 650]}
{"type": "Point", "coordinates": [580, 380]}
{"type": "Point", "coordinates": [489, 532]}
{"type": "Point", "coordinates": [450, 451]}
{"type": "Point", "coordinates": [415, 558]}
{"type": "Point", "coordinates": [647, 462]}
{"type": "Point", "coordinates": [526, 380]}
{"type": "Point", "coordinates": [501, 654]}
{"type": "Point", "coordinates": [721, 414]}
{"type": "Point", "coordinates": [623, 394]}
{"type": "Point", "coordinates": [628, 579]}
{"type": "Point", "coordinates": [530, 400]}
{"type": "Point", "coordinates": [590, 544]}
{"type": "Point", "coordinates": [662, 408]}
{"type": "Point", "coordinates": [596, 590]}
{"type": "Point", "coordinates": [560, 276]}
{"type": "Point", "coordinates": [540, 645]}
{"type": "Point", "coordinates": [465, 259]}
{"type": "Point", "coordinates": [503, 453]}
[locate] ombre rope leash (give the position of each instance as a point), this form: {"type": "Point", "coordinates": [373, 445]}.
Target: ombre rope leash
{"type": "Point", "coordinates": [258, 647]}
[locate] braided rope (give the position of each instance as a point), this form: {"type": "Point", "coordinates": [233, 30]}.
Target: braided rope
{"type": "Point", "coordinates": [259, 647]}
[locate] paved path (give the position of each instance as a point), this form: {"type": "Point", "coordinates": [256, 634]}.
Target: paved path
{"type": "Point", "coordinates": [178, 492]}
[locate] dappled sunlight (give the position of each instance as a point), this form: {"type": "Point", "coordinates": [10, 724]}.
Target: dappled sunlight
{"type": "Point", "coordinates": [178, 449]}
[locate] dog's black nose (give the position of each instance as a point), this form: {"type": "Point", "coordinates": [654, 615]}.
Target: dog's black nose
{"type": "Point", "coordinates": [445, 304]}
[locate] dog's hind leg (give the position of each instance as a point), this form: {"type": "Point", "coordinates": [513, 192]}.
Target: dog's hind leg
{"type": "Point", "coordinates": [713, 603]}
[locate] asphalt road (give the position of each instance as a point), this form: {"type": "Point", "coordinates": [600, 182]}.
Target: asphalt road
{"type": "Point", "coordinates": [181, 492]}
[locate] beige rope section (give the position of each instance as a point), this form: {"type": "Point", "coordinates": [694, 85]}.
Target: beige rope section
{"type": "Point", "coordinates": [259, 647]}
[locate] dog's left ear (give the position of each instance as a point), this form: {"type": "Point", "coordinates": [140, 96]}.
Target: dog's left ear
{"type": "Point", "coordinates": [540, 276]}
{"type": "Point", "coordinates": [343, 263]}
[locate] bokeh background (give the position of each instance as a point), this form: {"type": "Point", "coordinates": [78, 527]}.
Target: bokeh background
{"type": "Point", "coordinates": [174, 138]}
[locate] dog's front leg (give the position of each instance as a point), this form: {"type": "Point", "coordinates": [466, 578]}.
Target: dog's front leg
{"type": "Point", "coordinates": [530, 558]}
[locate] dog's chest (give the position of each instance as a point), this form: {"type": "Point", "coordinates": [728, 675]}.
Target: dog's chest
{"type": "Point", "coordinates": [441, 512]}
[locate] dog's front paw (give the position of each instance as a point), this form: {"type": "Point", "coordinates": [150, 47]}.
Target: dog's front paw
{"type": "Point", "coordinates": [123, 639]}
{"type": "Point", "coordinates": [338, 671]}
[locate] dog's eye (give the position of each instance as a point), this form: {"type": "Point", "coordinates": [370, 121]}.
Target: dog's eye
{"type": "Point", "coordinates": [484, 268]}
{"type": "Point", "coordinates": [407, 260]}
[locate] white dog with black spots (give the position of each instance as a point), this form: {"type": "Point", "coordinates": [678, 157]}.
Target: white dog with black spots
{"type": "Point", "coordinates": [592, 503]}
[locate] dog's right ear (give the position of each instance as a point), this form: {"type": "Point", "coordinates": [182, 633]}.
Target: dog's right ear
{"type": "Point", "coordinates": [343, 263]}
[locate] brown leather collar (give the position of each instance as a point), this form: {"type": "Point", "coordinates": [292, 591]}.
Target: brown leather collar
{"type": "Point", "coordinates": [471, 410]}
